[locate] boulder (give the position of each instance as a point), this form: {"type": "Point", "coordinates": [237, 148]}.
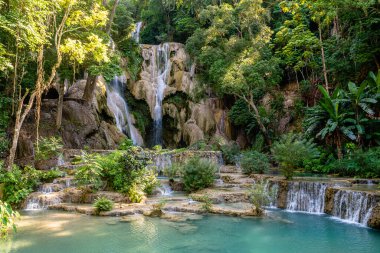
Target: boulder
{"type": "Point", "coordinates": [192, 133]}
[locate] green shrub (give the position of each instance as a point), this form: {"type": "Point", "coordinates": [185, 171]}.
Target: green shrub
{"type": "Point", "coordinates": [199, 145]}
{"type": "Point", "coordinates": [126, 173]}
{"type": "Point", "coordinates": [230, 153]}
{"type": "Point", "coordinates": [90, 172]}
{"type": "Point", "coordinates": [198, 174]}
{"type": "Point", "coordinates": [259, 195]}
{"type": "Point", "coordinates": [206, 204]}
{"type": "Point", "coordinates": [102, 204]}
{"type": "Point", "coordinates": [125, 144]}
{"type": "Point", "coordinates": [4, 143]}
{"type": "Point", "coordinates": [157, 148]}
{"type": "Point", "coordinates": [19, 183]}
{"type": "Point", "coordinates": [291, 151]}
{"type": "Point", "coordinates": [359, 163]}
{"type": "Point", "coordinates": [48, 148]}
{"type": "Point", "coordinates": [8, 218]}
{"type": "Point", "coordinates": [135, 194]}
{"type": "Point", "coordinates": [254, 162]}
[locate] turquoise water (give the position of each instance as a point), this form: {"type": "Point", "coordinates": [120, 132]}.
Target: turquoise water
{"type": "Point", "coordinates": [52, 232]}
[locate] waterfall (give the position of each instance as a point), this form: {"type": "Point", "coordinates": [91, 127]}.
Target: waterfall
{"type": "Point", "coordinates": [136, 33]}
{"type": "Point", "coordinates": [160, 69]}
{"type": "Point", "coordinates": [353, 206]}
{"type": "Point", "coordinates": [306, 197]}
{"type": "Point", "coordinates": [119, 108]}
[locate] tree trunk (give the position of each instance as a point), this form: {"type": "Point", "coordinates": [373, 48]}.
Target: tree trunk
{"type": "Point", "coordinates": [39, 89]}
{"type": "Point", "coordinates": [258, 118]}
{"type": "Point", "coordinates": [14, 88]}
{"type": "Point", "coordinates": [20, 117]}
{"type": "Point", "coordinates": [61, 91]}
{"type": "Point", "coordinates": [323, 58]}
{"type": "Point", "coordinates": [89, 89]}
{"type": "Point", "coordinates": [339, 146]}
{"type": "Point", "coordinates": [112, 15]}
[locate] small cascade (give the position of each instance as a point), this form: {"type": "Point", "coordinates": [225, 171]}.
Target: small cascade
{"type": "Point", "coordinates": [61, 160]}
{"type": "Point", "coordinates": [165, 190]}
{"type": "Point", "coordinates": [41, 201]}
{"type": "Point", "coordinates": [353, 206]}
{"type": "Point", "coordinates": [306, 197]}
{"type": "Point", "coordinates": [119, 108]}
{"type": "Point", "coordinates": [48, 194]}
{"type": "Point", "coordinates": [136, 33]}
{"type": "Point", "coordinates": [271, 191]}
{"type": "Point", "coordinates": [66, 181]}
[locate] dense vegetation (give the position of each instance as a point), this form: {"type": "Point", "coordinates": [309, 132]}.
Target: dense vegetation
{"type": "Point", "coordinates": [249, 52]}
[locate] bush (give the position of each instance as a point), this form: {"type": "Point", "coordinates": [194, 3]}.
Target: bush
{"type": "Point", "coordinates": [7, 219]}
{"type": "Point", "coordinates": [230, 153]}
{"type": "Point", "coordinates": [90, 172]}
{"type": "Point", "coordinates": [48, 148]}
{"type": "Point", "coordinates": [172, 171]}
{"type": "Point", "coordinates": [125, 144]}
{"type": "Point", "coordinates": [198, 174]}
{"type": "Point", "coordinates": [126, 173]}
{"type": "Point", "coordinates": [206, 204]}
{"type": "Point", "coordinates": [358, 164]}
{"type": "Point", "coordinates": [102, 204]}
{"type": "Point", "coordinates": [259, 195]}
{"type": "Point", "coordinates": [291, 151]}
{"type": "Point", "coordinates": [157, 148]}
{"type": "Point", "coordinates": [254, 162]}
{"type": "Point", "coordinates": [19, 183]}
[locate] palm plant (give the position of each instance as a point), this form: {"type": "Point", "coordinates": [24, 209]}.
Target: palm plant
{"type": "Point", "coordinates": [291, 151]}
{"type": "Point", "coordinates": [330, 119]}
{"type": "Point", "coordinates": [361, 100]}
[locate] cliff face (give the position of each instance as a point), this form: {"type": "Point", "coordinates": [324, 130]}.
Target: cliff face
{"type": "Point", "coordinates": [167, 82]}
{"type": "Point", "coordinates": [91, 125]}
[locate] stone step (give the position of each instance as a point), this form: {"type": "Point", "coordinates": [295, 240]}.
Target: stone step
{"type": "Point", "coordinates": [218, 196]}
{"type": "Point", "coordinates": [229, 169]}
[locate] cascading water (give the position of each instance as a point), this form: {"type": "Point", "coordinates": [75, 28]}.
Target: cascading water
{"type": "Point", "coordinates": [165, 190]}
{"type": "Point", "coordinates": [136, 33]}
{"type": "Point", "coordinates": [306, 197]}
{"type": "Point", "coordinates": [271, 191]}
{"type": "Point", "coordinates": [353, 206]}
{"type": "Point", "coordinates": [160, 70]}
{"type": "Point", "coordinates": [119, 108]}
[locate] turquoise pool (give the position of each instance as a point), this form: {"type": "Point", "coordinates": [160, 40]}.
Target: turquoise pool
{"type": "Point", "coordinates": [54, 232]}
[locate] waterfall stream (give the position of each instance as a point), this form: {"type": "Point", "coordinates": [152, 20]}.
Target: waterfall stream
{"type": "Point", "coordinates": [306, 197]}
{"type": "Point", "coordinates": [343, 203]}
{"type": "Point", "coordinates": [136, 33]}
{"type": "Point", "coordinates": [119, 108]}
{"type": "Point", "coordinates": [353, 206]}
{"type": "Point", "coordinates": [160, 69]}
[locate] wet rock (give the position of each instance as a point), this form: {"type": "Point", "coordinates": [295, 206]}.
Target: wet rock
{"type": "Point", "coordinates": [374, 220]}
{"type": "Point", "coordinates": [132, 218]}
{"type": "Point", "coordinates": [329, 200]}
{"type": "Point", "coordinates": [282, 194]}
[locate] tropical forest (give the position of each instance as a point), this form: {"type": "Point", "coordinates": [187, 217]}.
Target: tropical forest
{"type": "Point", "coordinates": [185, 126]}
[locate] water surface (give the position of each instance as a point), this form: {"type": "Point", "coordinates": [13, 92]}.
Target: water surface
{"type": "Point", "coordinates": [55, 232]}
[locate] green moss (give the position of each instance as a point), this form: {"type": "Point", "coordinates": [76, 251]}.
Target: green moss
{"type": "Point", "coordinates": [179, 99]}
